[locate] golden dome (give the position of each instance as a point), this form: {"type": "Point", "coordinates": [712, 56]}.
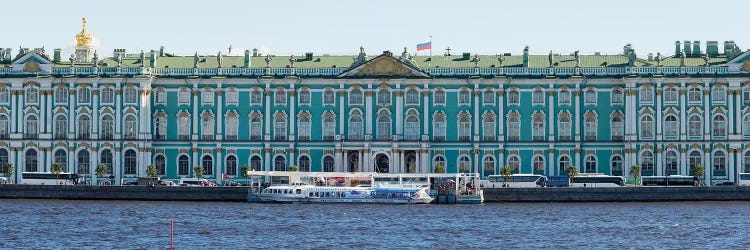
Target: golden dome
{"type": "Point", "coordinates": [84, 38]}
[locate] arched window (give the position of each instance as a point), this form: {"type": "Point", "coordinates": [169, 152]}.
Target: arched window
{"type": "Point", "coordinates": [617, 97]}
{"type": "Point", "coordinates": [160, 96]}
{"type": "Point", "coordinates": [488, 97]}
{"type": "Point", "coordinates": [328, 163]}
{"type": "Point", "coordinates": [745, 162]}
{"type": "Point", "coordinates": [515, 164]}
{"type": "Point", "coordinates": [647, 163]}
{"type": "Point", "coordinates": [231, 165]}
{"type": "Point", "coordinates": [538, 97]}
{"type": "Point", "coordinates": [256, 129]}
{"type": "Point", "coordinates": [207, 126]}
{"type": "Point", "coordinates": [563, 164]}
{"type": "Point", "coordinates": [83, 162]}
{"type": "Point", "coordinates": [411, 97]}
{"type": "Point", "coordinates": [746, 96]}
{"type": "Point", "coordinates": [31, 131]}
{"type": "Point", "coordinates": [671, 127]}
{"type": "Point", "coordinates": [280, 97]}
{"type": "Point", "coordinates": [4, 125]}
{"type": "Point", "coordinates": [671, 163]}
{"type": "Point", "coordinates": [538, 162]}
{"type": "Point", "coordinates": [304, 127]}
{"type": "Point", "coordinates": [355, 97]}
{"type": "Point", "coordinates": [514, 127]}
{"type": "Point", "coordinates": [489, 165]}
{"type": "Point", "coordinates": [84, 127]}
{"type": "Point", "coordinates": [304, 163]}
{"type": "Point", "coordinates": [255, 163]}
{"type": "Point", "coordinates": [439, 162]}
{"type": "Point", "coordinates": [279, 127]}
{"type": "Point", "coordinates": [256, 97]}
{"type": "Point", "coordinates": [616, 165]}
{"type": "Point", "coordinates": [384, 127]}
{"type": "Point", "coordinates": [61, 157]}
{"type": "Point", "coordinates": [590, 164]}
{"type": "Point", "coordinates": [591, 127]}
{"type": "Point", "coordinates": [564, 128]}
{"type": "Point", "coordinates": [694, 95]}
{"type": "Point", "coordinates": [464, 128]}
{"type": "Point", "coordinates": [464, 164]}
{"type": "Point", "coordinates": [745, 126]}
{"type": "Point", "coordinates": [5, 95]}
{"type": "Point", "coordinates": [279, 163]}
{"type": "Point", "coordinates": [182, 98]}
{"type": "Point", "coordinates": [356, 128]}
{"type": "Point", "coordinates": [537, 127]}
{"type": "Point", "coordinates": [232, 127]}
{"type": "Point", "coordinates": [106, 158]}
{"type": "Point", "coordinates": [695, 126]}
{"type": "Point", "coordinates": [464, 97]}
{"type": "Point", "coordinates": [108, 127]}
{"type": "Point", "coordinates": [384, 97]}
{"type": "Point", "coordinates": [438, 127]}
{"type": "Point", "coordinates": [439, 97]}
{"type": "Point", "coordinates": [3, 160]}
{"type": "Point", "coordinates": [208, 165]}
{"type": "Point", "coordinates": [131, 128]}
{"type": "Point", "coordinates": [618, 128]}
{"type": "Point", "coordinates": [411, 128]}
{"type": "Point", "coordinates": [130, 162]}
{"type": "Point", "coordinates": [304, 97]}
{"type": "Point", "coordinates": [564, 98]}
{"type": "Point", "coordinates": [183, 127]}
{"type": "Point", "coordinates": [329, 128]}
{"type": "Point", "coordinates": [160, 162]}
{"type": "Point", "coordinates": [513, 97]}
{"type": "Point", "coordinates": [61, 95]}
{"type": "Point", "coordinates": [61, 126]}
{"type": "Point", "coordinates": [694, 159]}
{"type": "Point", "coordinates": [719, 126]}
{"type": "Point", "coordinates": [590, 96]}
{"type": "Point", "coordinates": [329, 97]}
{"type": "Point", "coordinates": [670, 95]}
{"type": "Point", "coordinates": [647, 126]}
{"type": "Point", "coordinates": [183, 165]}
{"type": "Point", "coordinates": [488, 128]}
{"type": "Point", "coordinates": [160, 127]}
{"type": "Point", "coordinates": [720, 163]}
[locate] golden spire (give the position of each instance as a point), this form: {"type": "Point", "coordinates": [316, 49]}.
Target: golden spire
{"type": "Point", "coordinates": [83, 38]}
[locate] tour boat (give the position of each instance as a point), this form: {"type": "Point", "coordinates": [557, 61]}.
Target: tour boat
{"type": "Point", "coordinates": [306, 193]}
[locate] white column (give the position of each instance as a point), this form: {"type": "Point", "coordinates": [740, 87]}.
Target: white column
{"type": "Point", "coordinates": [401, 162]}
{"type": "Point", "coordinates": [117, 167]}
{"type": "Point", "coordinates": [72, 114]}
{"type": "Point", "coordinates": [292, 158]}
{"type": "Point", "coordinates": [578, 116]}
{"type": "Point", "coordinates": [267, 115]}
{"type": "Point", "coordinates": [342, 113]}
{"type": "Point", "coordinates": [708, 166]}
{"type": "Point", "coordinates": [730, 111]}
{"type": "Point", "coordinates": [293, 115]}
{"type": "Point", "coordinates": [500, 159]}
{"type": "Point", "coordinates": [338, 162]}
{"type": "Point", "coordinates": [368, 113]}
{"type": "Point", "coordinates": [501, 113]}
{"type": "Point", "coordinates": [577, 159]}
{"type": "Point", "coordinates": [220, 126]}
{"type": "Point", "coordinates": [95, 122]}
{"type": "Point", "coordinates": [366, 161]}
{"type": "Point", "coordinates": [14, 107]}
{"type": "Point", "coordinates": [684, 168]}
{"type": "Point", "coordinates": [43, 113]}
{"type": "Point", "coordinates": [730, 163]}
{"type": "Point", "coordinates": [425, 160]}
{"type": "Point", "coordinates": [267, 159]}
{"type": "Point", "coordinates": [196, 116]}
{"type": "Point", "coordinates": [71, 161]}
{"type": "Point", "coordinates": [475, 166]}
{"type": "Point", "coordinates": [738, 110]}
{"type": "Point", "coordinates": [196, 160]}
{"type": "Point", "coordinates": [118, 111]}
{"type": "Point", "coordinates": [659, 161]}
{"type": "Point", "coordinates": [659, 112]}
{"type": "Point", "coordinates": [399, 114]}
{"type": "Point", "coordinates": [706, 115]}
{"type": "Point", "coordinates": [360, 161]}
{"type": "Point", "coordinates": [93, 164]}
{"type": "Point", "coordinates": [17, 163]}
{"type": "Point", "coordinates": [219, 164]}
{"type": "Point", "coordinates": [683, 121]}
{"type": "Point", "coordinates": [551, 162]}
{"type": "Point", "coordinates": [476, 114]}
{"type": "Point", "coordinates": [50, 112]}
{"type": "Point", "coordinates": [426, 112]}
{"type": "Point", "coordinates": [551, 114]}
{"type": "Point", "coordinates": [418, 167]}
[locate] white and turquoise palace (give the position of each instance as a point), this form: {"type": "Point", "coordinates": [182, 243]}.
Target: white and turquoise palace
{"type": "Point", "coordinates": [390, 112]}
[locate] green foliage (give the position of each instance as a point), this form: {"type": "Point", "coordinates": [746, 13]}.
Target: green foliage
{"type": "Point", "coordinates": [101, 170]}
{"type": "Point", "coordinates": [572, 172]}
{"type": "Point", "coordinates": [9, 170]}
{"type": "Point", "coordinates": [244, 169]}
{"type": "Point", "coordinates": [151, 170]}
{"type": "Point", "coordinates": [293, 168]}
{"type": "Point", "coordinates": [506, 172]}
{"type": "Point", "coordinates": [57, 169]}
{"type": "Point", "coordinates": [199, 171]}
{"type": "Point", "coordinates": [635, 172]}
{"type": "Point", "coordinates": [698, 172]}
{"type": "Point", "coordinates": [440, 167]}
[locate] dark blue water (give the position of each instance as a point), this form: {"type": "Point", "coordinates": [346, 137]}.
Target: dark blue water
{"type": "Point", "coordinates": [56, 224]}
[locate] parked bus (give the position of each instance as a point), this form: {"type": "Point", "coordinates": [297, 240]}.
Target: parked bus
{"type": "Point", "coordinates": [597, 180]}
{"type": "Point", "coordinates": [514, 181]}
{"type": "Point", "coordinates": [47, 178]}
{"type": "Point", "coordinates": [558, 181]}
{"type": "Point", "coordinates": [744, 179]}
{"type": "Point", "coordinates": [669, 181]}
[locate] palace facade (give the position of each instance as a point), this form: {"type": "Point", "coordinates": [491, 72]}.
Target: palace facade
{"type": "Point", "coordinates": [385, 113]}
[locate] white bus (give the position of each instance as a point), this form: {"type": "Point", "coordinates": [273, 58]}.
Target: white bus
{"type": "Point", "coordinates": [514, 181]}
{"type": "Point", "coordinates": [597, 180]}
{"type": "Point", "coordinates": [669, 181]}
{"type": "Point", "coordinates": [744, 179]}
{"type": "Point", "coordinates": [47, 178]}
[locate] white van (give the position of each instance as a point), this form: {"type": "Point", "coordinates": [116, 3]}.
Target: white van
{"type": "Point", "coordinates": [193, 182]}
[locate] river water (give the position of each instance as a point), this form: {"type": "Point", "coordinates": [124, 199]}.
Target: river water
{"type": "Point", "coordinates": [63, 224]}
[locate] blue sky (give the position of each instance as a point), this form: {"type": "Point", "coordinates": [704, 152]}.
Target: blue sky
{"type": "Point", "coordinates": [340, 27]}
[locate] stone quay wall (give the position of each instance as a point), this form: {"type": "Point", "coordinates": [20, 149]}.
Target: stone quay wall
{"type": "Point", "coordinates": [617, 194]}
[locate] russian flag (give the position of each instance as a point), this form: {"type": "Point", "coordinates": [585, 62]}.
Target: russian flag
{"type": "Point", "coordinates": [424, 46]}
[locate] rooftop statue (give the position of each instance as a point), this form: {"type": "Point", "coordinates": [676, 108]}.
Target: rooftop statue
{"type": "Point", "coordinates": [119, 60]}
{"type": "Point", "coordinates": [476, 60]}
{"type": "Point", "coordinates": [500, 60]}
{"type": "Point", "coordinates": [706, 59]}
{"type": "Point", "coordinates": [291, 61]}
{"type": "Point", "coordinates": [268, 61]}
{"type": "Point", "coordinates": [219, 59]}
{"type": "Point", "coordinates": [658, 59]}
{"type": "Point", "coordinates": [551, 59]}
{"type": "Point", "coordinates": [196, 59]}
{"type": "Point", "coordinates": [404, 55]}
{"type": "Point", "coordinates": [578, 58]}
{"type": "Point", "coordinates": [682, 58]}
{"type": "Point", "coordinates": [95, 59]}
{"type": "Point", "coordinates": [143, 58]}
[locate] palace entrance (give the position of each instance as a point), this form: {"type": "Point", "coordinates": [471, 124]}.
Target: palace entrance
{"type": "Point", "coordinates": [382, 163]}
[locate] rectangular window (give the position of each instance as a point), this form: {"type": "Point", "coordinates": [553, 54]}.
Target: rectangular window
{"type": "Point", "coordinates": [439, 131]}
{"type": "Point", "coordinates": [5, 95]}
{"type": "Point", "coordinates": [329, 98]}
{"type": "Point", "coordinates": [84, 96]}
{"type": "Point", "coordinates": [108, 96]}
{"type": "Point", "coordinates": [564, 98]}
{"type": "Point", "coordinates": [564, 133]}
{"type": "Point", "coordinates": [160, 96]}
{"type": "Point", "coordinates": [32, 95]}
{"type": "Point", "coordinates": [207, 97]}
{"type": "Point", "coordinates": [61, 96]}
{"type": "Point", "coordinates": [488, 97]}
{"type": "Point", "coordinates": [647, 96]}
{"type": "Point", "coordinates": [488, 127]}
{"type": "Point", "coordinates": [131, 95]}
{"type": "Point", "coordinates": [232, 97]}
{"type": "Point", "coordinates": [184, 97]}
{"type": "Point", "coordinates": [304, 130]}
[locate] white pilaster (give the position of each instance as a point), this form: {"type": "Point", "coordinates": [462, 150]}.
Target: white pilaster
{"type": "Point", "coordinates": [660, 166]}
{"type": "Point", "coordinates": [14, 107]}
{"type": "Point", "coordinates": [659, 112]}
{"type": "Point", "coordinates": [399, 113]}
{"type": "Point", "coordinates": [578, 116]}
{"type": "Point", "coordinates": [219, 173]}
{"type": "Point", "coordinates": [267, 115]}
{"type": "Point", "coordinates": [368, 113]}
{"type": "Point", "coordinates": [220, 126]}
{"type": "Point", "coordinates": [197, 116]}
{"type": "Point", "coordinates": [683, 104]}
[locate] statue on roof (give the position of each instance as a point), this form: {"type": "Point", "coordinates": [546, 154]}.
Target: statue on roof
{"type": "Point", "coordinates": [291, 61]}
{"type": "Point", "coordinates": [476, 60]}
{"type": "Point", "coordinates": [658, 59]}
{"type": "Point", "coordinates": [72, 59]}
{"type": "Point", "coordinates": [706, 59]}
{"type": "Point", "coordinates": [268, 61]}
{"type": "Point", "coordinates": [500, 59]}
{"type": "Point", "coordinates": [219, 59]}
{"type": "Point", "coordinates": [578, 58]}
{"type": "Point", "coordinates": [551, 59]}
{"type": "Point", "coordinates": [143, 58]}
{"type": "Point", "coordinates": [119, 60]}
{"type": "Point", "coordinates": [361, 58]}
{"type": "Point", "coordinates": [196, 59]}
{"type": "Point", "coordinates": [95, 59]}
{"type": "Point", "coordinates": [404, 55]}
{"type": "Point", "coordinates": [682, 58]}
{"type": "Point", "coordinates": [526, 49]}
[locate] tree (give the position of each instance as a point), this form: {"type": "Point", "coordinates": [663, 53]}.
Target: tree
{"type": "Point", "coordinates": [101, 170]}
{"type": "Point", "coordinates": [506, 172]}
{"type": "Point", "coordinates": [57, 169]}
{"type": "Point", "coordinates": [243, 171]}
{"type": "Point", "coordinates": [151, 170]}
{"type": "Point", "coordinates": [9, 170]}
{"type": "Point", "coordinates": [698, 172]}
{"type": "Point", "coordinates": [199, 171]}
{"type": "Point", "coordinates": [572, 172]}
{"type": "Point", "coordinates": [440, 167]}
{"type": "Point", "coordinates": [293, 167]}
{"type": "Point", "coordinates": [635, 172]}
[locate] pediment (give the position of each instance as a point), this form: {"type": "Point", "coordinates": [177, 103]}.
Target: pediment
{"type": "Point", "coordinates": [384, 65]}
{"type": "Point", "coordinates": [32, 62]}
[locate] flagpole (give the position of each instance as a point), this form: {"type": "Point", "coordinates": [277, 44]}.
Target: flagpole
{"type": "Point", "coordinates": [430, 45]}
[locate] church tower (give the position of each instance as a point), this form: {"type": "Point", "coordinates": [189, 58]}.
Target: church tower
{"type": "Point", "coordinates": [84, 45]}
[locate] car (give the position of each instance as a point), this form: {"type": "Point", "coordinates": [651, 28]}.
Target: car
{"type": "Point", "coordinates": [194, 182]}
{"type": "Point", "coordinates": [130, 183]}
{"type": "Point", "coordinates": [726, 183]}
{"type": "Point", "coordinates": [167, 183]}
{"type": "Point", "coordinates": [232, 183]}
